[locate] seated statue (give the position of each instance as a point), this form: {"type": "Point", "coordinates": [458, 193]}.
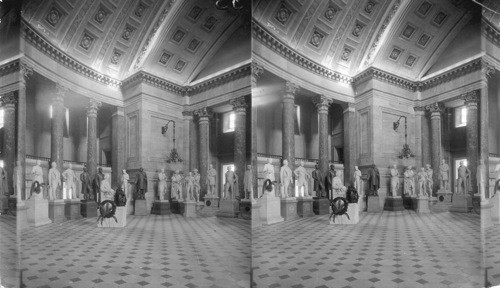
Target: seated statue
{"type": "Point", "coordinates": [107, 193]}
{"type": "Point", "coordinates": [337, 186]}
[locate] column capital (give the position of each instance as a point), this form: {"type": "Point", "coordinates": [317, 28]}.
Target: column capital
{"type": "Point", "coordinates": [94, 105]}
{"type": "Point", "coordinates": [239, 104]}
{"type": "Point", "coordinates": [470, 98]}
{"type": "Point", "coordinates": [322, 103]}
{"type": "Point", "coordinates": [187, 114]}
{"type": "Point", "coordinates": [26, 71]}
{"type": "Point", "coordinates": [257, 70]}
{"type": "Point", "coordinates": [290, 90]}
{"type": "Point", "coordinates": [419, 110]}
{"type": "Point", "coordinates": [486, 69]}
{"type": "Point", "coordinates": [203, 113]}
{"type": "Point", "coordinates": [436, 107]}
{"type": "Point", "coordinates": [119, 112]}
{"type": "Point", "coordinates": [9, 99]}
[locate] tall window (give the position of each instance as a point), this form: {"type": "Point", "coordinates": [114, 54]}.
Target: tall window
{"type": "Point", "coordinates": [461, 116]}
{"type": "Point", "coordinates": [228, 122]}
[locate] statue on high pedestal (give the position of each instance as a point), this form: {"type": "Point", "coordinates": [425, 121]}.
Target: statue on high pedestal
{"type": "Point", "coordinates": [70, 179]}
{"type": "Point", "coordinates": [231, 183]}
{"type": "Point", "coordinates": [444, 171]}
{"type": "Point", "coordinates": [99, 177]}
{"type": "Point", "coordinates": [247, 183]}
{"type": "Point", "coordinates": [422, 181]}
{"type": "Point", "coordinates": [211, 180]}
{"type": "Point", "coordinates": [285, 179]}
{"type": "Point", "coordinates": [162, 184]}
{"type": "Point", "coordinates": [37, 174]}
{"type": "Point", "coordinates": [329, 181]}
{"type": "Point", "coordinates": [176, 190]}
{"type": "Point", "coordinates": [357, 180]}
{"type": "Point", "coordinates": [463, 184]}
{"type": "Point", "coordinates": [394, 180]}
{"type": "Point", "coordinates": [429, 181]}
{"type": "Point", "coordinates": [107, 193]}
{"type": "Point", "coordinates": [54, 181]}
{"type": "Point", "coordinates": [189, 182]}
{"type": "Point", "coordinates": [319, 180]}
{"type": "Point", "coordinates": [141, 184]}
{"type": "Point", "coordinates": [302, 179]}
{"type": "Point", "coordinates": [373, 180]}
{"type": "Point", "coordinates": [409, 182]}
{"type": "Point", "coordinates": [337, 185]}
{"type": "Point", "coordinates": [269, 170]}
{"type": "Point", "coordinates": [86, 188]}
{"type": "Point", "coordinates": [196, 185]}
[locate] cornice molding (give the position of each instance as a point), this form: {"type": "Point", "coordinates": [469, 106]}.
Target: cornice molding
{"type": "Point", "coordinates": [240, 72]}
{"type": "Point", "coordinates": [374, 73]}
{"type": "Point", "coordinates": [10, 67]}
{"type": "Point", "coordinates": [490, 31]}
{"type": "Point", "coordinates": [144, 77]}
{"type": "Point", "coordinates": [462, 70]}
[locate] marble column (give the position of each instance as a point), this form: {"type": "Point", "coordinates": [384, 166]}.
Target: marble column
{"type": "Point", "coordinates": [257, 71]}
{"type": "Point", "coordinates": [349, 144]}
{"type": "Point", "coordinates": [240, 148]}
{"type": "Point", "coordinates": [423, 139]}
{"type": "Point", "coordinates": [57, 131]}
{"type": "Point", "coordinates": [436, 110]}
{"type": "Point", "coordinates": [288, 144]}
{"type": "Point", "coordinates": [94, 105]}
{"type": "Point", "coordinates": [26, 72]}
{"type": "Point", "coordinates": [322, 104]}
{"type": "Point", "coordinates": [9, 101]}
{"type": "Point", "coordinates": [203, 115]}
{"type": "Point", "coordinates": [190, 161]}
{"type": "Point", "coordinates": [118, 145]}
{"type": "Point", "coordinates": [486, 72]}
{"type": "Point", "coordinates": [471, 100]}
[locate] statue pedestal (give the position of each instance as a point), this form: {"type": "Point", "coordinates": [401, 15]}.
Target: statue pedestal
{"type": "Point", "coordinates": [228, 208]}
{"type": "Point", "coordinates": [246, 209]}
{"type": "Point", "coordinates": [372, 204]}
{"type": "Point", "coordinates": [408, 202]}
{"type": "Point", "coordinates": [88, 208]}
{"type": "Point", "coordinates": [211, 206]}
{"type": "Point", "coordinates": [140, 208]}
{"type": "Point", "coordinates": [486, 215]}
{"type": "Point", "coordinates": [459, 203]}
{"type": "Point", "coordinates": [321, 206]}
{"type": "Point", "coordinates": [189, 208]}
{"type": "Point", "coordinates": [161, 207]}
{"type": "Point", "coordinates": [121, 219]}
{"type": "Point", "coordinates": [22, 216]}
{"type": "Point", "coordinates": [270, 207]}
{"type": "Point", "coordinates": [56, 210]}
{"type": "Point", "coordinates": [175, 206]}
{"type": "Point", "coordinates": [305, 206]}
{"type": "Point", "coordinates": [256, 214]}
{"type": "Point", "coordinates": [394, 204]}
{"type": "Point", "coordinates": [443, 203]}
{"type": "Point", "coordinates": [495, 210]}
{"type": "Point", "coordinates": [352, 211]}
{"type": "Point", "coordinates": [38, 212]}
{"type": "Point", "coordinates": [289, 208]}
{"type": "Point", "coordinates": [422, 204]}
{"type": "Point", "coordinates": [72, 209]}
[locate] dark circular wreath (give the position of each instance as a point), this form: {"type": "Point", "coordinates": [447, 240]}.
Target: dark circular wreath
{"type": "Point", "coordinates": [105, 211]}
{"type": "Point", "coordinates": [339, 207]}
{"type": "Point", "coordinates": [35, 187]}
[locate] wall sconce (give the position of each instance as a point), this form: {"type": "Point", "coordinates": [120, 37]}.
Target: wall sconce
{"type": "Point", "coordinates": [174, 156]}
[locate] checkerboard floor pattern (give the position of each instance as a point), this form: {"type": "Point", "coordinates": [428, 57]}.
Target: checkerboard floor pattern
{"type": "Point", "coordinates": [9, 274]}
{"type": "Point", "coordinates": [151, 251]}
{"type": "Point", "coordinates": [492, 253]}
{"type": "Point", "coordinates": [388, 249]}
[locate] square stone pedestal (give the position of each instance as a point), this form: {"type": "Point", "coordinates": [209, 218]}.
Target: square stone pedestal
{"type": "Point", "coordinates": [140, 208]}
{"type": "Point", "coordinates": [289, 208]}
{"type": "Point", "coordinates": [459, 203]}
{"type": "Point", "coordinates": [256, 214]}
{"type": "Point", "coordinates": [372, 204]}
{"type": "Point", "coordinates": [121, 219]}
{"type": "Point", "coordinates": [409, 202]}
{"type": "Point", "coordinates": [88, 208]}
{"type": "Point", "coordinates": [443, 203]}
{"type": "Point", "coordinates": [270, 209]}
{"type": "Point", "coordinates": [189, 208]}
{"type": "Point", "coordinates": [486, 215]}
{"type": "Point", "coordinates": [72, 209]}
{"type": "Point", "coordinates": [394, 204]}
{"type": "Point", "coordinates": [211, 206]}
{"type": "Point", "coordinates": [246, 209]}
{"type": "Point", "coordinates": [161, 207]}
{"type": "Point", "coordinates": [422, 204]}
{"type": "Point", "coordinates": [352, 211]}
{"type": "Point", "coordinates": [175, 206]}
{"type": "Point", "coordinates": [228, 208]}
{"type": "Point", "coordinates": [22, 216]}
{"type": "Point", "coordinates": [305, 206]}
{"type": "Point", "coordinates": [56, 210]}
{"type": "Point", "coordinates": [495, 210]}
{"type": "Point", "coordinates": [38, 211]}
{"type": "Point", "coordinates": [321, 206]}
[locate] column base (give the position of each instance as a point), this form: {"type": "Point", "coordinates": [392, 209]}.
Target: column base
{"type": "Point", "coordinates": [394, 204]}
{"type": "Point", "coordinates": [270, 207]}
{"type": "Point", "coordinates": [72, 209]}
{"type": "Point", "coordinates": [422, 205]}
{"type": "Point", "coordinates": [289, 208]}
{"type": "Point", "coordinates": [22, 217]}
{"type": "Point", "coordinates": [321, 206]}
{"type": "Point", "coordinates": [121, 219]}
{"type": "Point", "coordinates": [38, 212]}
{"type": "Point", "coordinates": [246, 209]}
{"type": "Point", "coordinates": [57, 211]}
{"type": "Point", "coordinates": [88, 208]}
{"type": "Point", "coordinates": [352, 211]}
{"type": "Point", "coordinates": [459, 203]}
{"type": "Point", "coordinates": [372, 204]}
{"type": "Point", "coordinates": [140, 208]}
{"type": "Point", "coordinates": [161, 207]}
{"type": "Point", "coordinates": [305, 207]}
{"type": "Point", "coordinates": [228, 208]}
{"type": "Point", "coordinates": [188, 208]}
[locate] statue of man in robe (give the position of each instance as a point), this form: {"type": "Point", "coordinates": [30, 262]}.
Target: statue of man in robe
{"type": "Point", "coordinates": [162, 184]}
{"type": "Point", "coordinates": [421, 180]}
{"type": "Point", "coordinates": [444, 171]}
{"type": "Point", "coordinates": [319, 180]}
{"type": "Point", "coordinates": [176, 190]}
{"type": "Point", "coordinates": [302, 179]}
{"type": "Point", "coordinates": [357, 180]}
{"type": "Point", "coordinates": [373, 179]}
{"type": "Point", "coordinates": [409, 181]}
{"type": "Point", "coordinates": [70, 179]}
{"type": "Point", "coordinates": [86, 188]}
{"type": "Point", "coordinates": [211, 180]}
{"type": "Point", "coordinates": [285, 179]}
{"type": "Point", "coordinates": [231, 183]}
{"type": "Point", "coordinates": [54, 181]}
{"type": "Point", "coordinates": [463, 184]}
{"type": "Point", "coordinates": [141, 184]}
{"type": "Point", "coordinates": [394, 180]}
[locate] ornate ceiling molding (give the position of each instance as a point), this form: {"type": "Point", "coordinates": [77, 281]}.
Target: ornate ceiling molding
{"type": "Point", "coordinates": [243, 71]}
{"type": "Point", "coordinates": [490, 31]}
{"type": "Point", "coordinates": [449, 75]}
{"type": "Point", "coordinates": [144, 77]}
{"type": "Point", "coordinates": [374, 73]}
{"type": "Point", "coordinates": [11, 67]}
{"type": "Point", "coordinates": [269, 40]}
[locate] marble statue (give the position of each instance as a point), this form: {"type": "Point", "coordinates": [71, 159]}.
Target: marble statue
{"type": "Point", "coordinates": [189, 182]}
{"type": "Point", "coordinates": [269, 170]}
{"type": "Point", "coordinates": [319, 180]}
{"type": "Point", "coordinates": [231, 183]}
{"type": "Point", "coordinates": [99, 177]}
{"type": "Point", "coordinates": [337, 186]}
{"type": "Point", "coordinates": [17, 178]}
{"type": "Point", "coordinates": [211, 180]}
{"type": "Point", "coordinates": [37, 174]}
{"type": "Point", "coordinates": [444, 175]}
{"type": "Point", "coordinates": [141, 184]}
{"type": "Point", "coordinates": [176, 191]}
{"type": "Point", "coordinates": [196, 185]}
{"type": "Point", "coordinates": [329, 180]}
{"type": "Point", "coordinates": [463, 179]}
{"type": "Point", "coordinates": [373, 179]}
{"type": "Point", "coordinates": [162, 184]}
{"type": "Point", "coordinates": [54, 181]}
{"type": "Point", "coordinates": [357, 179]}
{"type": "Point", "coordinates": [247, 182]}
{"type": "Point", "coordinates": [86, 188]}
{"type": "Point", "coordinates": [285, 179]}
{"type": "Point", "coordinates": [124, 185]}
{"type": "Point", "coordinates": [422, 181]}
{"type": "Point", "coordinates": [394, 180]}
{"type": "Point", "coordinates": [70, 179]}
{"type": "Point", "coordinates": [430, 182]}
{"type": "Point", "coordinates": [3, 182]}
{"type": "Point", "coordinates": [481, 179]}
{"type": "Point", "coordinates": [107, 193]}
{"type": "Point", "coordinates": [302, 179]}
{"type": "Point", "coordinates": [409, 182]}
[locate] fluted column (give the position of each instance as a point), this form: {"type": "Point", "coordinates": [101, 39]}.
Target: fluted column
{"type": "Point", "coordinates": [118, 144]}
{"type": "Point", "coordinates": [240, 152]}
{"type": "Point", "coordinates": [486, 72]}
{"type": "Point", "coordinates": [203, 115]}
{"type": "Point", "coordinates": [288, 144]}
{"type": "Point", "coordinates": [322, 104]}
{"type": "Point", "coordinates": [57, 131]}
{"type": "Point", "coordinates": [26, 72]}
{"type": "Point", "coordinates": [471, 100]}
{"type": "Point", "coordinates": [9, 101]}
{"type": "Point", "coordinates": [94, 105]}
{"type": "Point", "coordinates": [436, 110]}
{"type": "Point", "coordinates": [257, 70]}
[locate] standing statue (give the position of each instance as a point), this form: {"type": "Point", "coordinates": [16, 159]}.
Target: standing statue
{"type": "Point", "coordinates": [124, 185]}
{"type": "Point", "coordinates": [429, 180]}
{"type": "Point", "coordinates": [231, 183]}
{"type": "Point", "coordinates": [247, 183]}
{"type": "Point", "coordinates": [70, 179]}
{"type": "Point", "coordinates": [302, 179]}
{"type": "Point", "coordinates": [329, 181]}
{"type": "Point", "coordinates": [211, 180]}
{"type": "Point", "coordinates": [285, 179]}
{"type": "Point", "coordinates": [17, 177]}
{"type": "Point", "coordinates": [357, 179]}
{"type": "Point", "coordinates": [141, 184]}
{"type": "Point", "coordinates": [422, 179]}
{"type": "Point", "coordinates": [319, 180]}
{"type": "Point", "coordinates": [269, 170]}
{"type": "Point", "coordinates": [54, 181]}
{"type": "Point", "coordinates": [162, 184]}
{"type": "Point", "coordinates": [86, 188]}
{"type": "Point", "coordinates": [196, 185]}
{"type": "Point", "coordinates": [481, 179]}
{"type": "Point", "coordinates": [409, 182]}
{"type": "Point", "coordinates": [176, 191]}
{"type": "Point", "coordinates": [394, 180]}
{"type": "Point", "coordinates": [189, 182]}
{"type": "Point", "coordinates": [444, 171]}
{"type": "Point", "coordinates": [37, 174]}
{"type": "Point", "coordinates": [463, 179]}
{"type": "Point", "coordinates": [373, 179]}
{"type": "Point", "coordinates": [99, 177]}
{"type": "Point", "coordinates": [4, 188]}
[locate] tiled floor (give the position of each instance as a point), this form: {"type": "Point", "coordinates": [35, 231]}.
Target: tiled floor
{"type": "Point", "coordinates": [388, 249]}
{"type": "Point", "coordinates": [151, 251]}
{"type": "Point", "coordinates": [492, 252]}
{"type": "Point", "coordinates": [9, 276]}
